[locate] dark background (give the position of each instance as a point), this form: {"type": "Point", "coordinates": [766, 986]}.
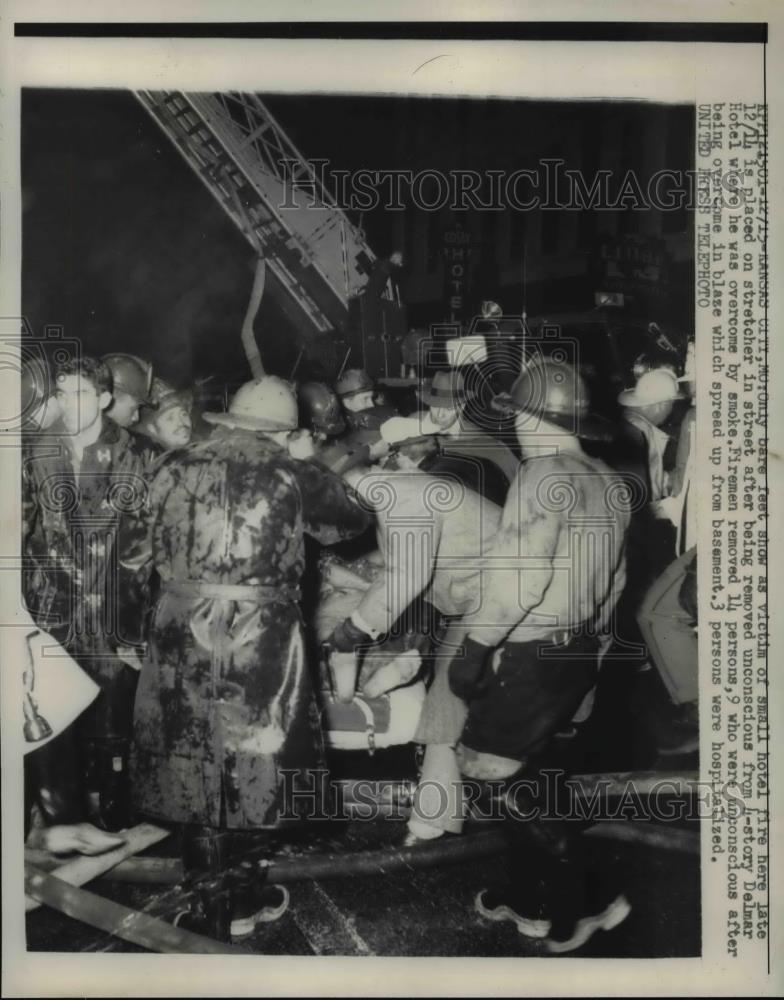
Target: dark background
{"type": "Point", "coordinates": [126, 250]}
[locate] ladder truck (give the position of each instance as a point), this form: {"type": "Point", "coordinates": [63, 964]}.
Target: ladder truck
{"type": "Point", "coordinates": [318, 262]}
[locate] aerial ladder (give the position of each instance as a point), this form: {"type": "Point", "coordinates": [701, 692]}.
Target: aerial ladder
{"type": "Point", "coordinates": [317, 260]}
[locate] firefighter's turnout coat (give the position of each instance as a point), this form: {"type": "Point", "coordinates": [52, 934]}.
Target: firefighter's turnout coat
{"type": "Point", "coordinates": [225, 705]}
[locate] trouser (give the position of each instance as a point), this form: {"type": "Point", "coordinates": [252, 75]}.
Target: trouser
{"type": "Point", "coordinates": [537, 688]}
{"type": "Point", "coordinates": [105, 773]}
{"type": "Point", "coordinates": [227, 869]}
{"type": "Point", "coordinates": [74, 780]}
{"type": "Point", "coordinates": [53, 780]}
{"type": "Point", "coordinates": [669, 632]}
{"type": "Point", "coordinates": [210, 851]}
{"type": "Point", "coordinates": [439, 802]}
{"type": "Point", "coordinates": [110, 716]}
{"type": "Point", "coordinates": [104, 732]}
{"type": "Point", "coordinates": [551, 875]}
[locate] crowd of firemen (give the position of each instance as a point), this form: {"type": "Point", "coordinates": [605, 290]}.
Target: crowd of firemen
{"type": "Point", "coordinates": [164, 549]}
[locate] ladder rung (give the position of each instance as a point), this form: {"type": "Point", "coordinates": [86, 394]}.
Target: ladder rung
{"type": "Point", "coordinates": [238, 161]}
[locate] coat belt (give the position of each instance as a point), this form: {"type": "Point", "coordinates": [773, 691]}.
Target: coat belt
{"type": "Point", "coordinates": [257, 593]}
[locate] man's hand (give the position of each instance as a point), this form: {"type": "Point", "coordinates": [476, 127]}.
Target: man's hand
{"type": "Point", "coordinates": [470, 674]}
{"type": "Point", "coordinates": [379, 449]}
{"type": "Point", "coordinates": [300, 444]}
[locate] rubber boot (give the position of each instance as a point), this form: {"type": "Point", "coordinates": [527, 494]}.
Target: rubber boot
{"type": "Point", "coordinates": [107, 782]}
{"type": "Point", "coordinates": [253, 899]}
{"type": "Point", "coordinates": [209, 913]}
{"type": "Point", "coordinates": [205, 856]}
{"type": "Point", "coordinates": [205, 851]}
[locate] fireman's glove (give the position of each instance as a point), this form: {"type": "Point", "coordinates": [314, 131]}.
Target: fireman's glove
{"type": "Point", "coordinates": [347, 637]}
{"type": "Point", "coordinates": [470, 674]}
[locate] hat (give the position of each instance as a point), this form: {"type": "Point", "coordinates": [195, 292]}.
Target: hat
{"type": "Point", "coordinates": [557, 393]}
{"type": "Point", "coordinates": [163, 397]}
{"type": "Point", "coordinates": [130, 374]}
{"type": "Point", "coordinates": [322, 408]}
{"type": "Point", "coordinates": [659, 385]}
{"type": "Point", "coordinates": [267, 404]}
{"type": "Point", "coordinates": [446, 388]}
{"type": "Point", "coordinates": [353, 381]}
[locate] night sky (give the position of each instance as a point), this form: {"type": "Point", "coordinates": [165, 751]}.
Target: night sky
{"type": "Point", "coordinates": [125, 248]}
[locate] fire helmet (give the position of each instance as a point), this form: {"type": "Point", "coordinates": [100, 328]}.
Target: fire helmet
{"type": "Point", "coordinates": [353, 381]}
{"type": "Point", "coordinates": [557, 393]}
{"type": "Point", "coordinates": [163, 397]}
{"type": "Point", "coordinates": [659, 385]}
{"type": "Point", "coordinates": [322, 408]}
{"type": "Point", "coordinates": [266, 404]}
{"type": "Point", "coordinates": [130, 374]}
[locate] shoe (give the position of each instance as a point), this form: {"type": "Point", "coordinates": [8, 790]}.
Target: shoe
{"type": "Point", "coordinates": [254, 902]}
{"type": "Point", "coordinates": [490, 905]}
{"type": "Point", "coordinates": [209, 910]}
{"type": "Point", "coordinates": [586, 927]}
{"type": "Point", "coordinates": [269, 905]}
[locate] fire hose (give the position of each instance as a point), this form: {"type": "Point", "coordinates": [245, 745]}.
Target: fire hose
{"type": "Point", "coordinates": [395, 799]}
{"type": "Point", "coordinates": [106, 915]}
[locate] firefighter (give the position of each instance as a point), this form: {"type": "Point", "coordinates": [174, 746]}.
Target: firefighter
{"type": "Point", "coordinates": [167, 418]}
{"type": "Point", "coordinates": [77, 499]}
{"type": "Point", "coordinates": [132, 382]}
{"type": "Point", "coordinates": [131, 386]}
{"type": "Point", "coordinates": [530, 655]}
{"type": "Point", "coordinates": [431, 531]}
{"type": "Point", "coordinates": [226, 723]}
{"type": "Point", "coordinates": [355, 389]}
{"type": "Point", "coordinates": [646, 407]}
{"type": "Point", "coordinates": [322, 412]}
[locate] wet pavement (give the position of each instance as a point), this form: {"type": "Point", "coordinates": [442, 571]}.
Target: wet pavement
{"type": "Point", "coordinates": [430, 911]}
{"type": "Point", "coordinates": [426, 912]}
